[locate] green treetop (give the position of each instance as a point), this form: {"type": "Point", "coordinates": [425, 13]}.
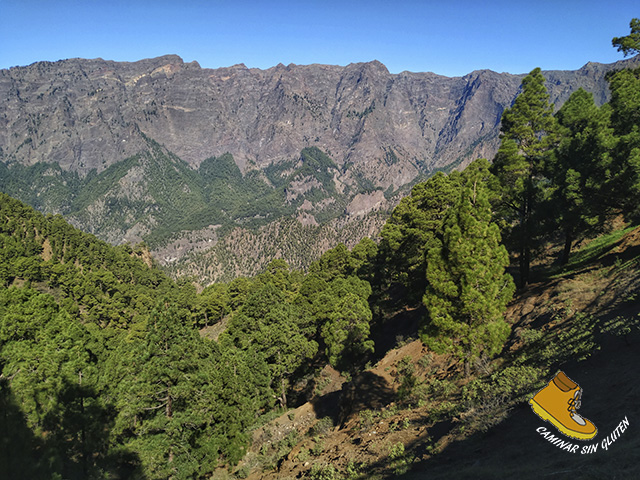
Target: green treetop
{"type": "Point", "coordinates": [630, 44]}
{"type": "Point", "coordinates": [528, 133]}
{"type": "Point", "coordinates": [279, 332]}
{"type": "Point", "coordinates": [468, 288]}
{"type": "Point", "coordinates": [411, 229]}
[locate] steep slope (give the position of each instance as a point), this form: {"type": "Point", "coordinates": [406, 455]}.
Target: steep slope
{"type": "Point", "coordinates": [414, 416]}
{"type": "Point", "coordinates": [100, 362]}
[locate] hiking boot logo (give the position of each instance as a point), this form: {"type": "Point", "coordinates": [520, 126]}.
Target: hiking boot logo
{"type": "Point", "coordinates": [558, 402]}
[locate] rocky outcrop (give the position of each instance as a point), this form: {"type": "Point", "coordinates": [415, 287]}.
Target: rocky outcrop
{"type": "Point", "coordinates": [89, 114]}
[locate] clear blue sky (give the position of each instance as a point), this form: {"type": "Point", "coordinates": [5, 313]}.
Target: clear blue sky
{"type": "Point", "coordinates": [447, 37]}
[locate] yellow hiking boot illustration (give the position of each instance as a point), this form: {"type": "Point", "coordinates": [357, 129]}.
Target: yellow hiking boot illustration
{"type": "Point", "coordinates": [557, 404]}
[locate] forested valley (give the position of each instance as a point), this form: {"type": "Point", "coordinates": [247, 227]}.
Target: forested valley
{"type": "Point", "coordinates": [111, 369]}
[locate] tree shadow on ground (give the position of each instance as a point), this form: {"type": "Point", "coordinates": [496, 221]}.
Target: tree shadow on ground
{"type": "Point", "coordinates": [75, 446]}
{"type": "Point", "coordinates": [20, 449]}
{"type": "Point", "coordinates": [366, 391]}
{"type": "Point", "coordinates": [514, 448]}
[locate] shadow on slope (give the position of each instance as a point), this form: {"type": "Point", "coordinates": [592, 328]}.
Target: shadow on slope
{"type": "Point", "coordinates": [367, 391]}
{"type": "Point", "coordinates": [514, 448]}
{"type": "Point", "coordinates": [73, 447]}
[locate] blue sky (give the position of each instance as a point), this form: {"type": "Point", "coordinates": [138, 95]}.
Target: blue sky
{"type": "Point", "coordinates": [447, 37]}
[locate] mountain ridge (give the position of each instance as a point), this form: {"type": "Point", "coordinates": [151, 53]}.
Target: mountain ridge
{"type": "Point", "coordinates": [66, 124]}
{"type": "Point", "coordinates": [259, 116]}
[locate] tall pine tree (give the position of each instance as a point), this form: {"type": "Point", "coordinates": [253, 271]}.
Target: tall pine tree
{"type": "Point", "coordinates": [158, 384]}
{"type": "Point", "coordinates": [410, 231]}
{"type": "Point", "coordinates": [527, 136]}
{"type": "Point", "coordinates": [578, 169]}
{"type": "Point", "coordinates": [624, 182]}
{"type": "Point", "coordinates": [468, 288]}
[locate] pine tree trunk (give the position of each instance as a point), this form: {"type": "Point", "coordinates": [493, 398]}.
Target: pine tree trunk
{"type": "Point", "coordinates": [83, 433]}
{"type": "Point", "coordinates": [527, 266]}
{"type": "Point", "coordinates": [525, 251]}
{"type": "Point", "coordinates": [525, 256]}
{"type": "Point", "coordinates": [568, 242]}
{"type": "Point", "coordinates": [169, 413]}
{"type": "Point", "coordinates": [467, 361]}
{"type": "Point", "coordinates": [284, 392]}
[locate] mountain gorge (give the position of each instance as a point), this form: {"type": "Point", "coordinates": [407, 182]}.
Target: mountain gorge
{"type": "Point", "coordinates": [219, 171]}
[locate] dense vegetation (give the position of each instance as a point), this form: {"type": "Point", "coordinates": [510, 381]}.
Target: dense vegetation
{"type": "Point", "coordinates": [217, 193]}
{"type": "Point", "coordinates": [104, 370]}
{"type": "Point", "coordinates": [108, 368]}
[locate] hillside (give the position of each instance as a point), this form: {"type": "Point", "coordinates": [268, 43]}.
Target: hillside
{"type": "Point", "coordinates": [219, 171]}
{"type": "Point", "coordinates": [76, 311]}
{"type": "Point", "coordinates": [409, 356]}
{"type": "Point", "coordinates": [585, 321]}
{"type": "Point", "coordinates": [103, 372]}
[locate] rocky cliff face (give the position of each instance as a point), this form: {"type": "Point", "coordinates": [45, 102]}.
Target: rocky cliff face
{"type": "Point", "coordinates": [89, 114]}
{"type": "Point", "coordinates": [381, 131]}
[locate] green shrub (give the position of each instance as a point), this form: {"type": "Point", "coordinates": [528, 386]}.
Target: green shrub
{"type": "Point", "coordinates": [367, 418]}
{"type": "Point", "coordinates": [303, 455]}
{"type": "Point", "coordinates": [400, 460]}
{"type": "Point", "coordinates": [323, 472]}
{"type": "Point", "coordinates": [406, 378]}
{"type": "Point", "coordinates": [352, 470]}
{"type": "Point", "coordinates": [318, 447]}
{"type": "Point", "coordinates": [425, 361]}
{"type": "Point", "coordinates": [322, 426]}
{"type": "Point", "coordinates": [321, 385]}
{"type": "Point", "coordinates": [390, 412]}
{"type": "Point", "coordinates": [286, 444]}
{"type": "Point", "coordinates": [621, 326]}
{"type": "Point", "coordinates": [243, 471]}
{"type": "Point", "coordinates": [396, 451]}
{"type": "Point", "coordinates": [441, 388]}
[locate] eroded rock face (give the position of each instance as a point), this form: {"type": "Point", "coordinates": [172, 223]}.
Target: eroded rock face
{"type": "Point", "coordinates": [145, 119]}
{"type": "Point", "coordinates": [89, 114]}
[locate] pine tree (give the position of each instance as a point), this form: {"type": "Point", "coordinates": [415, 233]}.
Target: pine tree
{"type": "Point", "coordinates": [578, 169]}
{"type": "Point", "coordinates": [157, 381]}
{"type": "Point", "coordinates": [238, 391]}
{"type": "Point", "coordinates": [624, 182]}
{"type": "Point", "coordinates": [50, 361]}
{"type": "Point", "coordinates": [629, 44]}
{"type": "Point", "coordinates": [278, 330]}
{"type": "Point", "coordinates": [407, 235]}
{"type": "Point", "coordinates": [527, 136]}
{"type": "Point", "coordinates": [468, 288]}
{"type": "Point", "coordinates": [345, 318]}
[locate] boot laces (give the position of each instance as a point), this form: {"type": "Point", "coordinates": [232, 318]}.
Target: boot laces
{"type": "Point", "coordinates": [574, 403]}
